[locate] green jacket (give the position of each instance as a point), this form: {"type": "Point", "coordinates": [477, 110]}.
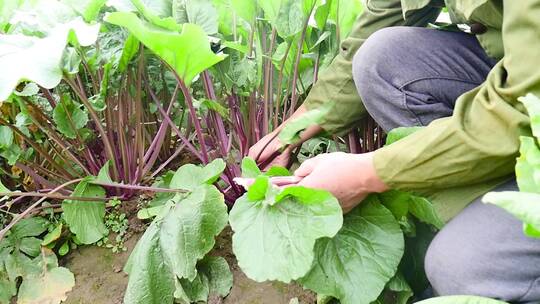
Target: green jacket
{"type": "Point", "coordinates": [456, 159]}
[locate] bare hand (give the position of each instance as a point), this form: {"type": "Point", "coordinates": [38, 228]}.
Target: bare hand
{"type": "Point", "coordinates": [267, 147]}
{"type": "Point", "coordinates": [349, 177]}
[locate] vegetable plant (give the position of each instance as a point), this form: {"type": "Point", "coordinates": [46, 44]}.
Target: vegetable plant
{"type": "Point", "coordinates": [357, 259]}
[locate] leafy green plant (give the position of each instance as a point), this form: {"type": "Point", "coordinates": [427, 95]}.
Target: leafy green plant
{"type": "Point", "coordinates": [129, 103]}
{"type": "Point", "coordinates": [525, 204]}
{"type": "Point", "coordinates": [24, 261]}
{"type": "Point", "coordinates": [300, 234]}
{"type": "Point", "coordinates": [280, 226]}
{"type": "Point", "coordinates": [170, 259]}
{"type": "Point", "coordinates": [117, 223]}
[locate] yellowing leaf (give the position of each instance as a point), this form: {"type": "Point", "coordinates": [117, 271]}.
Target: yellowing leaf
{"type": "Point", "coordinates": [46, 288]}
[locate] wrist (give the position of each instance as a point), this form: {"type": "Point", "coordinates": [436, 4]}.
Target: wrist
{"type": "Point", "coordinates": [370, 180]}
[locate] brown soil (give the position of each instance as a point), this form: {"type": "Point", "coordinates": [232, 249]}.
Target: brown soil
{"type": "Point", "coordinates": [99, 278]}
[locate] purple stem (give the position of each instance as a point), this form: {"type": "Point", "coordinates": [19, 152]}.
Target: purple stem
{"type": "Point", "coordinates": [153, 151]}
{"type": "Point", "coordinates": [191, 148]}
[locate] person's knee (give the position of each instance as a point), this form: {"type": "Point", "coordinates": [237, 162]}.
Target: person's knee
{"type": "Point", "coordinates": [366, 61]}
{"type": "Point", "coordinates": [377, 58]}
{"type": "Point", "coordinates": [448, 270]}
{"type": "Point", "coordinates": [376, 70]}
{"type": "Point", "coordinates": [454, 266]}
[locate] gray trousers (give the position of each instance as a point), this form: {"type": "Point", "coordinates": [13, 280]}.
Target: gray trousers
{"type": "Point", "coordinates": [409, 77]}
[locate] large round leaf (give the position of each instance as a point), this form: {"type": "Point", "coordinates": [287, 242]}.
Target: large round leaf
{"type": "Point", "coordinates": [356, 264]}
{"type": "Point", "coordinates": [39, 59]}
{"type": "Point", "coordinates": [275, 235]}
{"type": "Point", "coordinates": [188, 53]}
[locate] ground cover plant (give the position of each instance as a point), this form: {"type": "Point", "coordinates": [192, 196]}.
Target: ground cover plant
{"type": "Point", "coordinates": [105, 102]}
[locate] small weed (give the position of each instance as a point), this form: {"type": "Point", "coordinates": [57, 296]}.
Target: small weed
{"type": "Point", "coordinates": [117, 222]}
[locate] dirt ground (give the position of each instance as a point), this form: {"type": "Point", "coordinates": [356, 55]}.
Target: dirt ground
{"type": "Point", "coordinates": [99, 278]}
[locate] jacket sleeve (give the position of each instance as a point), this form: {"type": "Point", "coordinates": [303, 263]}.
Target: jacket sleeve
{"type": "Point", "coordinates": [480, 141]}
{"type": "Point", "coordinates": [336, 84]}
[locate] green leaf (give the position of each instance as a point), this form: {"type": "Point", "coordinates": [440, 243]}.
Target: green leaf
{"type": "Point", "coordinates": [401, 288]}
{"type": "Point", "coordinates": [277, 171]}
{"type": "Point", "coordinates": [281, 231]}
{"type": "Point", "coordinates": [71, 61]}
{"type": "Point", "coordinates": [48, 287]}
{"type": "Point", "coordinates": [355, 265]}
{"type": "Point", "coordinates": [397, 202]}
{"type": "Point", "coordinates": [214, 278]}
{"type": "Point", "coordinates": [259, 189]}
{"type": "Point", "coordinates": [103, 175]}
{"type": "Point", "coordinates": [460, 300]}
{"type": "Point", "coordinates": [29, 89]}
{"type": "Point", "coordinates": [322, 13]}
{"type": "Point", "coordinates": [220, 277]}
{"type": "Point", "coordinates": [346, 15]}
{"type": "Point", "coordinates": [89, 9]}
{"type": "Point", "coordinates": [270, 8]}
{"type": "Point", "coordinates": [400, 133]}
{"type": "Point", "coordinates": [528, 165]}
{"type": "Point", "coordinates": [200, 12]}
{"type": "Point", "coordinates": [246, 9]}
{"type": "Point", "coordinates": [423, 210]}
{"type": "Point", "coordinates": [151, 281]}
{"type": "Point", "coordinates": [26, 58]}
{"type": "Point", "coordinates": [6, 137]}
{"type": "Point", "coordinates": [166, 22]}
{"type": "Point", "coordinates": [67, 114]}
{"type": "Point", "coordinates": [188, 231]}
{"type": "Point", "coordinates": [525, 206]}
{"type": "Point", "coordinates": [64, 249]}
{"type": "Point", "coordinates": [532, 103]}
{"type": "Point", "coordinates": [31, 246]}
{"type": "Point", "coordinates": [131, 48]}
{"type": "Point", "coordinates": [8, 289]}
{"type": "Point", "coordinates": [189, 177]}
{"type": "Point", "coordinates": [3, 189]}
{"type": "Point", "coordinates": [19, 265]}
{"type": "Point", "coordinates": [98, 101]}
{"type": "Point", "coordinates": [33, 226]}
{"type": "Point", "coordinates": [194, 291]}
{"type": "Point", "coordinates": [85, 218]}
{"type": "Point", "coordinates": [290, 134]}
{"type": "Point", "coordinates": [53, 235]}
{"type": "Point", "coordinates": [215, 106]}
{"type": "Point", "coordinates": [308, 6]}
{"type": "Point", "coordinates": [531, 231]}
{"type": "Point", "coordinates": [12, 154]}
{"type": "Point", "coordinates": [290, 19]}
{"type": "Point", "coordinates": [160, 8]}
{"type": "Point", "coordinates": [188, 53]}
{"type": "Point", "coordinates": [250, 168]}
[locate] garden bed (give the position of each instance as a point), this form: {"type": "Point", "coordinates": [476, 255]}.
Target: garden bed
{"type": "Point", "coordinates": [99, 278]}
